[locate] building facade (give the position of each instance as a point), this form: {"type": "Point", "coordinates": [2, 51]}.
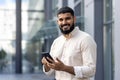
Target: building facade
{"type": "Point", "coordinates": [99, 18]}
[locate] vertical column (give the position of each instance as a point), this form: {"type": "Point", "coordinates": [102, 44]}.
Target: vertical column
{"type": "Point", "coordinates": [65, 3]}
{"type": "Point", "coordinates": [18, 58]}
{"type": "Point", "coordinates": [98, 22]}
{"type": "Point", "coordinates": [47, 9]}
{"type": "Point", "coordinates": [108, 54]}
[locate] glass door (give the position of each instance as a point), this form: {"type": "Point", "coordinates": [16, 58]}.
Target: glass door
{"type": "Point", "coordinates": [108, 47]}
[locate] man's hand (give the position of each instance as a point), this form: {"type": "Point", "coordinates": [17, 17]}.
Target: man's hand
{"type": "Point", "coordinates": [45, 63]}
{"type": "Point", "coordinates": [56, 64]}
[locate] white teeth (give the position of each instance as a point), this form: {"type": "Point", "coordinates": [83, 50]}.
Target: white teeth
{"type": "Point", "coordinates": [65, 26]}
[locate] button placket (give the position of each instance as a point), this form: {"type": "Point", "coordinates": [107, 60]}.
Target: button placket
{"type": "Point", "coordinates": [64, 51]}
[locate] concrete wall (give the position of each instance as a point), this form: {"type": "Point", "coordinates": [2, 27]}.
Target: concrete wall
{"type": "Point", "coordinates": [89, 16]}
{"type": "Point", "coordinates": [116, 41]}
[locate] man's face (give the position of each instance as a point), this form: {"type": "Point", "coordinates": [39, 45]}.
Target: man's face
{"type": "Point", "coordinates": [66, 22]}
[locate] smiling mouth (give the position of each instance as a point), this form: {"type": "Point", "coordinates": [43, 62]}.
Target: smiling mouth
{"type": "Point", "coordinates": [65, 26]}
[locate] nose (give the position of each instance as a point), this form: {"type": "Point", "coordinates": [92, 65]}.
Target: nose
{"type": "Point", "coordinates": [64, 22]}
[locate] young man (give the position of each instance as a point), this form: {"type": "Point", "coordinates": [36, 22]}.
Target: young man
{"type": "Point", "coordinates": [73, 53]}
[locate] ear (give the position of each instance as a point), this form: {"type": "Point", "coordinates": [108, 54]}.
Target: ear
{"type": "Point", "coordinates": [74, 19]}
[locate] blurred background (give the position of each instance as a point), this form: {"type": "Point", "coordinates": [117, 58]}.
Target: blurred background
{"type": "Point", "coordinates": [28, 28]}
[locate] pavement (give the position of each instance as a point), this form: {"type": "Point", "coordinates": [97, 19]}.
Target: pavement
{"type": "Point", "coordinates": [38, 76]}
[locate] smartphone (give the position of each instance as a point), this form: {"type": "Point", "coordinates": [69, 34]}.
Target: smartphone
{"type": "Point", "coordinates": [46, 54]}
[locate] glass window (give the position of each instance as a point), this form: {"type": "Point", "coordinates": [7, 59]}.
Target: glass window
{"type": "Point", "coordinates": [38, 32]}
{"type": "Point", "coordinates": [7, 36]}
{"type": "Point", "coordinates": [79, 13]}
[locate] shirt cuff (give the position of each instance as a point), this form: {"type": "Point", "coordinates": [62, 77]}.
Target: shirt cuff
{"type": "Point", "coordinates": [49, 72]}
{"type": "Point", "coordinates": [78, 71]}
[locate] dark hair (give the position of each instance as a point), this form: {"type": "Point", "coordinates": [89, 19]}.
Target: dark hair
{"type": "Point", "coordinates": [65, 9]}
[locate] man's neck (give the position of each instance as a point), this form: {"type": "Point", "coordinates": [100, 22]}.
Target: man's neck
{"type": "Point", "coordinates": [68, 36]}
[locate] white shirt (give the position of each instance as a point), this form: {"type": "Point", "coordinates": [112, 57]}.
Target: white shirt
{"type": "Point", "coordinates": [78, 51]}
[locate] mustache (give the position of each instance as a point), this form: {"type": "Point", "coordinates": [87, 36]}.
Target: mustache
{"type": "Point", "coordinates": [65, 25]}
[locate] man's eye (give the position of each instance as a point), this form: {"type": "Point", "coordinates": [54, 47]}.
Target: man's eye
{"type": "Point", "coordinates": [60, 19]}
{"type": "Point", "coordinates": [68, 18]}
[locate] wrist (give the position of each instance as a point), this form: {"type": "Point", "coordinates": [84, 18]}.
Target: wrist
{"type": "Point", "coordinates": [64, 68]}
{"type": "Point", "coordinates": [68, 69]}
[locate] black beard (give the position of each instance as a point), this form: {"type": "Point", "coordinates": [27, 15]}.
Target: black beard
{"type": "Point", "coordinates": [68, 31]}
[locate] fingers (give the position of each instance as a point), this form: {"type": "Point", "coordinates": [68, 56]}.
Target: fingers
{"type": "Point", "coordinates": [58, 60]}
{"type": "Point", "coordinates": [53, 61]}
{"type": "Point", "coordinates": [44, 61]}
{"type": "Point", "coordinates": [50, 60]}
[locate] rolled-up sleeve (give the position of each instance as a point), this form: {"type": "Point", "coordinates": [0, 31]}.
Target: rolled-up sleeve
{"type": "Point", "coordinates": [84, 71]}
{"type": "Point", "coordinates": [78, 71]}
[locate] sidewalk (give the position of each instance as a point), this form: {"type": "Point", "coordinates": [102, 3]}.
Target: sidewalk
{"type": "Point", "coordinates": [25, 77]}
